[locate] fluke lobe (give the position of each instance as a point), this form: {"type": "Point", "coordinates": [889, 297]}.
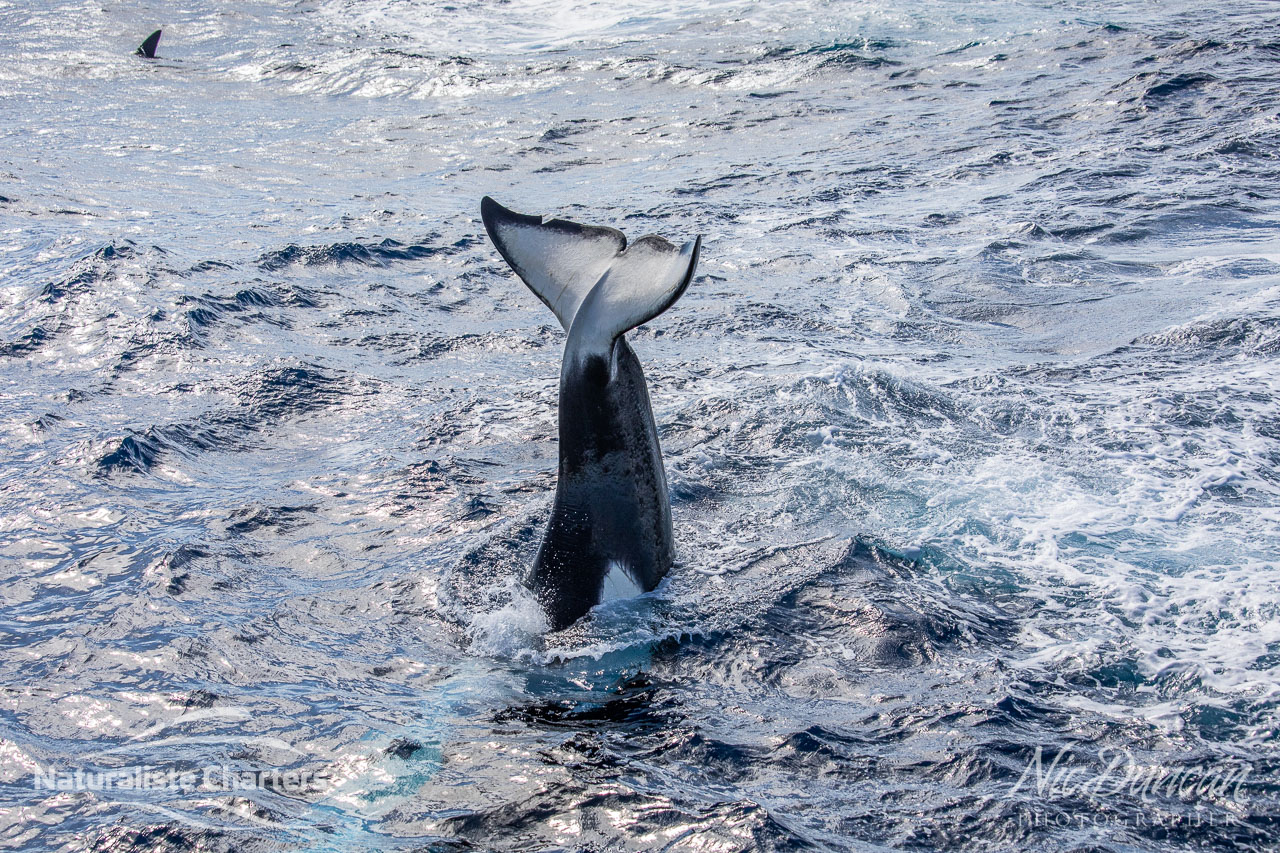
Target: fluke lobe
{"type": "Point", "coordinates": [610, 529]}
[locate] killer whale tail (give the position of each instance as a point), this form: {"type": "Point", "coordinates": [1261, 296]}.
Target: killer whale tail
{"type": "Point", "coordinates": [148, 47]}
{"type": "Point", "coordinates": [597, 286]}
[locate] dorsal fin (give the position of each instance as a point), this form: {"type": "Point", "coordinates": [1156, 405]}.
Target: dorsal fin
{"type": "Point", "coordinates": [148, 47]}
{"type": "Point", "coordinates": [596, 285]}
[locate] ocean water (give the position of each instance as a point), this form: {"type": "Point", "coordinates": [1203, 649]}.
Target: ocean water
{"type": "Point", "coordinates": [970, 420]}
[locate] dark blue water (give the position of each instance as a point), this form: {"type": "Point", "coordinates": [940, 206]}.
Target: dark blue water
{"type": "Point", "coordinates": [970, 422]}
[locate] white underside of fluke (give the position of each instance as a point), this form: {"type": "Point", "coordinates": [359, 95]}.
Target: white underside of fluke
{"type": "Point", "coordinates": [598, 286]}
{"type": "Point", "coordinates": [561, 268]}
{"type": "Point", "coordinates": [638, 286]}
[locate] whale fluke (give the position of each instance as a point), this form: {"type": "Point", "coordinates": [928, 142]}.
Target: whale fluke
{"type": "Point", "coordinates": [590, 270]}
{"type": "Point", "coordinates": [148, 47]}
{"type": "Point", "coordinates": [610, 528]}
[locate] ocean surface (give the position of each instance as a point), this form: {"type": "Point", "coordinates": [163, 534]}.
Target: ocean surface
{"type": "Point", "coordinates": [970, 421]}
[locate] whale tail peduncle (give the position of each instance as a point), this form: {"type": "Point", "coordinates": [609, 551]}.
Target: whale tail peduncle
{"type": "Point", "coordinates": [597, 286]}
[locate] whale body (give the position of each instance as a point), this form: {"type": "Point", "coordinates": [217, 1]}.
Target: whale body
{"type": "Point", "coordinates": [609, 534]}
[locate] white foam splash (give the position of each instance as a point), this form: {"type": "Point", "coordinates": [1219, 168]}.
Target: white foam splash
{"type": "Point", "coordinates": [511, 631]}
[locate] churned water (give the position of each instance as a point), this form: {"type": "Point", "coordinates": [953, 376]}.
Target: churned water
{"type": "Point", "coordinates": [970, 422]}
